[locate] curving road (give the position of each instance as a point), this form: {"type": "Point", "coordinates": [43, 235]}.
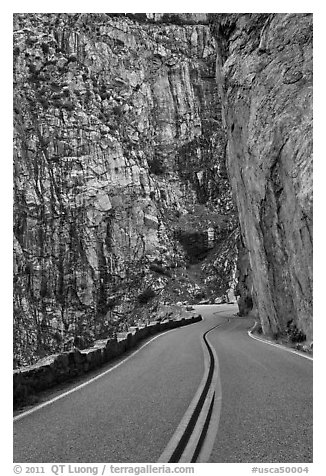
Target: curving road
{"type": "Point", "coordinates": [223, 398]}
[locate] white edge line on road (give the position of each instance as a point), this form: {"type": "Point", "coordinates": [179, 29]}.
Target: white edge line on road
{"type": "Point", "coordinates": [84, 384]}
{"type": "Point", "coordinates": [279, 346]}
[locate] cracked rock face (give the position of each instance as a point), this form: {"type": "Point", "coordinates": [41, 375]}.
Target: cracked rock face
{"type": "Point", "coordinates": [118, 138]}
{"type": "Point", "coordinates": [265, 75]}
{"type": "Point", "coordinates": [122, 189]}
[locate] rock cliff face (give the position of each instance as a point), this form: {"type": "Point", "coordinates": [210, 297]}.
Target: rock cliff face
{"type": "Point", "coordinates": [122, 188]}
{"type": "Point", "coordinates": [264, 70]}
{"type": "Point", "coordinates": [120, 184]}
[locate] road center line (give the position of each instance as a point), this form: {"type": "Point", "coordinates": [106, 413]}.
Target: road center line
{"type": "Point", "coordinates": [189, 437]}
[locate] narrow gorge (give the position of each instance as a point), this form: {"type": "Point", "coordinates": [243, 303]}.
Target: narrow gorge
{"type": "Point", "coordinates": [159, 160]}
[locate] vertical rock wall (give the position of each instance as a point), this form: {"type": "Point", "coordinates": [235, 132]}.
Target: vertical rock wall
{"type": "Point", "coordinates": [264, 69]}
{"type": "Point", "coordinates": [121, 189]}
{"type": "Point", "coordinates": [118, 149]}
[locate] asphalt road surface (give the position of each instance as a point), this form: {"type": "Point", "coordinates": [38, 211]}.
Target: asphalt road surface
{"type": "Point", "coordinates": [254, 403]}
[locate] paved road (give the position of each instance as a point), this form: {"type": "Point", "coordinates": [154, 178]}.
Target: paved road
{"type": "Point", "coordinates": [131, 413]}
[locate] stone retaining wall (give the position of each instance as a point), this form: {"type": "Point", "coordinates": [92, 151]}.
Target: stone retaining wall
{"type": "Point", "coordinates": [59, 368]}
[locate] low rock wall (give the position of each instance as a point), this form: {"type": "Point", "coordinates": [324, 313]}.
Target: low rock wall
{"type": "Point", "coordinates": [59, 368]}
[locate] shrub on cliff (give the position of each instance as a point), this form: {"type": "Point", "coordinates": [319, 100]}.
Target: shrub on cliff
{"type": "Point", "coordinates": [146, 296]}
{"type": "Point", "coordinates": [45, 48]}
{"type": "Point", "coordinates": [259, 329]}
{"type": "Point", "coordinates": [156, 166]}
{"type": "Point", "coordinates": [172, 18]}
{"type": "Point", "coordinates": [199, 295]}
{"type": "Point", "coordinates": [294, 334]}
{"type": "Point", "coordinates": [159, 269]}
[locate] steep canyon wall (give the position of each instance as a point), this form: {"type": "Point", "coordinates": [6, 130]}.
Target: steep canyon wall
{"type": "Point", "coordinates": [130, 132]}
{"type": "Point", "coordinates": [264, 70]}
{"type": "Point", "coordinates": [120, 179]}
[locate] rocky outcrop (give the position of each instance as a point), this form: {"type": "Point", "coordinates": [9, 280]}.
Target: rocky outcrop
{"type": "Point", "coordinates": [119, 152]}
{"type": "Point", "coordinates": [264, 69]}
